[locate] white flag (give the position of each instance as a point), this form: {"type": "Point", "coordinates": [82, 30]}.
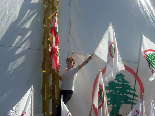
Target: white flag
{"type": "Point", "coordinates": [25, 106]}
{"type": "Point", "coordinates": [64, 109]}
{"type": "Point", "coordinates": [28, 106]}
{"type": "Point", "coordinates": [146, 70]}
{"type": "Point", "coordinates": [147, 59]}
{"type": "Point", "coordinates": [137, 111]}
{"type": "Point", "coordinates": [107, 50]}
{"type": "Point", "coordinates": [152, 109]}
{"type": "Point", "coordinates": [95, 94]}
{"type": "Point", "coordinates": [102, 98]}
{"type": "Point", "coordinates": [99, 99]}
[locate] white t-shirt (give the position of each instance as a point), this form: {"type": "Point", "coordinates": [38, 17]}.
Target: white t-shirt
{"type": "Point", "coordinates": [68, 79]}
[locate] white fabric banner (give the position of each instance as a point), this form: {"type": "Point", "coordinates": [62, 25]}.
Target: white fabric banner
{"type": "Point", "coordinates": [102, 98]}
{"type": "Point", "coordinates": [21, 54]}
{"type": "Point", "coordinates": [147, 58]}
{"type": "Point", "coordinates": [146, 70]}
{"type": "Point", "coordinates": [107, 50]}
{"type": "Point", "coordinates": [99, 96]}
{"type": "Point", "coordinates": [119, 100]}
{"type": "Point", "coordinates": [64, 109]}
{"type": "Point", "coordinates": [95, 93]}
{"type": "Point", "coordinates": [25, 106]}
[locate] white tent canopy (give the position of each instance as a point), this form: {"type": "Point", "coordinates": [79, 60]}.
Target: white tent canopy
{"type": "Point", "coordinates": [82, 22]}
{"type": "Point", "coordinates": [21, 53]}
{"type": "Point", "coordinates": [90, 19]}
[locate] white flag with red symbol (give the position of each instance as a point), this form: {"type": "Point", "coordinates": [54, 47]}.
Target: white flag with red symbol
{"type": "Point", "coordinates": [25, 106]}
{"type": "Point", "coordinates": [146, 70]}
{"type": "Point", "coordinates": [138, 110]}
{"type": "Point", "coordinates": [147, 59]}
{"type": "Point", "coordinates": [28, 106]}
{"type": "Point", "coordinates": [99, 97]}
{"type": "Point", "coordinates": [64, 109]}
{"type": "Point", "coordinates": [107, 50]}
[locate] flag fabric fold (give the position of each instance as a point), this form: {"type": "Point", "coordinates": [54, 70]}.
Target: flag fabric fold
{"type": "Point", "coordinates": [64, 109]}
{"type": "Point", "coordinates": [55, 54]}
{"type": "Point", "coordinates": [28, 106]}
{"type": "Point", "coordinates": [95, 94]}
{"type": "Point", "coordinates": [152, 113]}
{"type": "Point", "coordinates": [54, 49]}
{"type": "Point", "coordinates": [99, 96]}
{"type": "Point", "coordinates": [25, 106]}
{"type": "Point", "coordinates": [54, 31]}
{"type": "Point", "coordinates": [138, 109]}
{"type": "Point", "coordinates": [107, 50]}
{"type": "Point", "coordinates": [147, 59]}
{"type": "Point", "coordinates": [146, 68]}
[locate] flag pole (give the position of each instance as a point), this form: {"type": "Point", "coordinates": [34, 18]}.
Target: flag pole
{"type": "Point", "coordinates": [101, 39]}
{"type": "Point", "coordinates": [134, 88]}
{"type": "Point", "coordinates": [142, 104]}
{"type": "Point", "coordinates": [137, 71]}
{"type": "Point", "coordinates": [90, 110]}
{"type": "Point", "coordinates": [32, 89]}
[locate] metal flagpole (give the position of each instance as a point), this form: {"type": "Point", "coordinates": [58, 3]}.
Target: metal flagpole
{"type": "Point", "coordinates": [137, 71]}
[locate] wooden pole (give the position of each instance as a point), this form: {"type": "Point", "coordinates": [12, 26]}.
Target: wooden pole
{"type": "Point", "coordinates": [134, 88]}
{"type": "Point", "coordinates": [90, 110]}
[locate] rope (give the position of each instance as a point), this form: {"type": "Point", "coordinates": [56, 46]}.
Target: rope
{"type": "Point", "coordinates": [69, 26]}
{"type": "Point", "coordinates": [38, 49]}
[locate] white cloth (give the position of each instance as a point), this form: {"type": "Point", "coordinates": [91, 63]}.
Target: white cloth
{"type": "Point", "coordinates": [68, 79]}
{"type": "Point", "coordinates": [107, 50]}
{"type": "Point", "coordinates": [64, 109]}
